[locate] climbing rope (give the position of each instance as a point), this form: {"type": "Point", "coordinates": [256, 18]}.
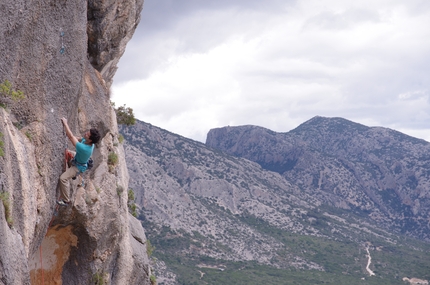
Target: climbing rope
{"type": "Point", "coordinates": [65, 148]}
{"type": "Point", "coordinates": [40, 248]}
{"type": "Point", "coordinates": [55, 211]}
{"type": "Point", "coordinates": [41, 265]}
{"type": "Point", "coordinates": [62, 51]}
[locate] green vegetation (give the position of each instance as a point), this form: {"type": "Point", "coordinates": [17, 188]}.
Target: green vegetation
{"type": "Point", "coordinates": [252, 273]}
{"type": "Point", "coordinates": [120, 138]}
{"type": "Point", "coordinates": [18, 125]}
{"type": "Point", "coordinates": [28, 135]}
{"type": "Point", "coordinates": [4, 197]}
{"type": "Point", "coordinates": [1, 145]}
{"type": "Point", "coordinates": [124, 115]}
{"type": "Point", "coordinates": [342, 260]}
{"type": "Point", "coordinates": [389, 269]}
{"type": "Point", "coordinates": [112, 161]}
{"type": "Point", "coordinates": [7, 92]}
{"type": "Point", "coordinates": [98, 278]}
{"type": "Point", "coordinates": [153, 280]}
{"type": "Point", "coordinates": [112, 158]}
{"type": "Point", "coordinates": [130, 195]}
{"type": "Point", "coordinates": [39, 169]}
{"type": "Point", "coordinates": [149, 248]}
{"type": "Point", "coordinates": [119, 190]}
{"type": "Point", "coordinates": [132, 207]}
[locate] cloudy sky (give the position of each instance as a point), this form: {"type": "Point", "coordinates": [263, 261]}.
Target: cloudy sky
{"type": "Point", "coordinates": [193, 65]}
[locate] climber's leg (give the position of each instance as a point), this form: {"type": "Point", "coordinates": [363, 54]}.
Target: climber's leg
{"type": "Point", "coordinates": [64, 182]}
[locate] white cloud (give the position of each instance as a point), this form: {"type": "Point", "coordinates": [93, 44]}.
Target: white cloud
{"type": "Point", "coordinates": [365, 61]}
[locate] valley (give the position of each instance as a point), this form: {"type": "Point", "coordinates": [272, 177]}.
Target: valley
{"type": "Point", "coordinates": [217, 218]}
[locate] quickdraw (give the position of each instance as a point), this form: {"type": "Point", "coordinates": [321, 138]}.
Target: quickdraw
{"type": "Point", "coordinates": [63, 48]}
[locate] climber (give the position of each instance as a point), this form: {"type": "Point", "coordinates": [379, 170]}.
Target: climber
{"type": "Point", "coordinates": [84, 149]}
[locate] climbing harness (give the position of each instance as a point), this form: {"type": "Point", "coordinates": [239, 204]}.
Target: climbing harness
{"type": "Point", "coordinates": [63, 48]}
{"type": "Point", "coordinates": [81, 172]}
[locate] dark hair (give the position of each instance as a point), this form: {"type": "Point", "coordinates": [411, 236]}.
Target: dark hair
{"type": "Point", "coordinates": [94, 136]}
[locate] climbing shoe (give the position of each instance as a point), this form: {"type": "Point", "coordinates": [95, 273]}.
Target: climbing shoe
{"type": "Point", "coordinates": [63, 203]}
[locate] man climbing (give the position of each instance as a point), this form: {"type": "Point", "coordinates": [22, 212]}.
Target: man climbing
{"type": "Point", "coordinates": [79, 163]}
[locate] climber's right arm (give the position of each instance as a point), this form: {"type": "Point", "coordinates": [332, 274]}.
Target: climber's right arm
{"type": "Point", "coordinates": [69, 133]}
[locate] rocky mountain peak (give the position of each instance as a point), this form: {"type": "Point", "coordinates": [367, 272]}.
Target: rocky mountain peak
{"type": "Point", "coordinates": [325, 125]}
{"type": "Point", "coordinates": [346, 164]}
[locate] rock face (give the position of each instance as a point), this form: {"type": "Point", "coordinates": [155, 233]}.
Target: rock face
{"type": "Point", "coordinates": [44, 51]}
{"type": "Point", "coordinates": [376, 171]}
{"type": "Point", "coordinates": [111, 24]}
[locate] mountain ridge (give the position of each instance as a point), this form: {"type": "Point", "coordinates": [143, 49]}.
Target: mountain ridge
{"type": "Point", "coordinates": [377, 162]}
{"type": "Point", "coordinates": [202, 205]}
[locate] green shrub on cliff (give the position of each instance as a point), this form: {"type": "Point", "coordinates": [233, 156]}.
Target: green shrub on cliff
{"type": "Point", "coordinates": [1, 145]}
{"type": "Point", "coordinates": [124, 115]}
{"type": "Point", "coordinates": [153, 280]}
{"type": "Point", "coordinates": [132, 207]}
{"type": "Point", "coordinates": [7, 93]}
{"type": "Point", "coordinates": [4, 197]}
{"type": "Point", "coordinates": [98, 278]}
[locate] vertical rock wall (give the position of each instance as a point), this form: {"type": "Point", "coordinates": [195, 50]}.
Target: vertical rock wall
{"type": "Point", "coordinates": [44, 53]}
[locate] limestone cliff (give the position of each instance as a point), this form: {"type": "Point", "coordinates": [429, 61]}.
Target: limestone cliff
{"type": "Point", "coordinates": [380, 173]}
{"type": "Point", "coordinates": [63, 55]}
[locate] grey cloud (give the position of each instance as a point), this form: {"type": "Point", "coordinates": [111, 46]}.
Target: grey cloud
{"type": "Point", "coordinates": [341, 21]}
{"type": "Point", "coordinates": [165, 30]}
{"type": "Point", "coordinates": [163, 14]}
{"type": "Point", "coordinates": [417, 7]}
